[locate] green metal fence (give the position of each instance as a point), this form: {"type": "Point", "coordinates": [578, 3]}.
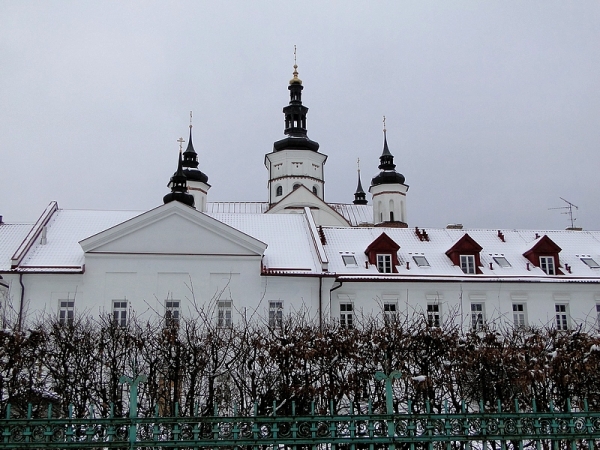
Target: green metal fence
{"type": "Point", "coordinates": [499, 430]}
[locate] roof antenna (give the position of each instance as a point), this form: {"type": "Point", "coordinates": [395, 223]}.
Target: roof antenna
{"type": "Point", "coordinates": [569, 211]}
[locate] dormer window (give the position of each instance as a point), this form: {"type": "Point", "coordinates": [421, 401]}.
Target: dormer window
{"type": "Point", "coordinates": [465, 254]}
{"type": "Point", "coordinates": [383, 254]}
{"type": "Point", "coordinates": [467, 263]}
{"type": "Point", "coordinates": [384, 263]}
{"type": "Point", "coordinates": [547, 265]}
{"type": "Point", "coordinates": [544, 254]}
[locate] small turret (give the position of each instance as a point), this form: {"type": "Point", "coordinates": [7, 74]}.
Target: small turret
{"type": "Point", "coordinates": [178, 185]}
{"type": "Point", "coordinates": [360, 198]}
{"type": "Point", "coordinates": [197, 181]}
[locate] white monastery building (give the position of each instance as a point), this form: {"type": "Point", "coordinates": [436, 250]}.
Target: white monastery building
{"type": "Point", "coordinates": [295, 253]}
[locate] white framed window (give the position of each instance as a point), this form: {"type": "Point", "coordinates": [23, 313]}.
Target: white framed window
{"type": "Point", "coordinates": [276, 314]}
{"type": "Point", "coordinates": [172, 312]}
{"type": "Point", "coordinates": [279, 191]}
{"type": "Point", "coordinates": [562, 316]}
{"type": "Point", "coordinates": [519, 315]}
{"type": "Point", "coordinates": [477, 316]}
{"type": "Point", "coordinates": [225, 312]}
{"type": "Point", "coordinates": [119, 312]}
{"type": "Point", "coordinates": [384, 263]}
{"type": "Point", "coordinates": [349, 260]}
{"type": "Point", "coordinates": [66, 312]}
{"type": "Point", "coordinates": [591, 262]}
{"type": "Point", "coordinates": [434, 318]}
{"type": "Point", "coordinates": [547, 264]}
{"type": "Point", "coordinates": [467, 263]}
{"type": "Point", "coordinates": [421, 261]}
{"type": "Point", "coordinates": [346, 315]}
{"type": "Point", "coordinates": [502, 261]}
{"type": "Point", "coordinates": [389, 311]}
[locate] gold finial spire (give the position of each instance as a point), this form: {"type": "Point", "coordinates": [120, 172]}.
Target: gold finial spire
{"type": "Point", "coordinates": [190, 120]}
{"type": "Point", "coordinates": [358, 164]}
{"type": "Point", "coordinates": [181, 141]}
{"type": "Point", "coordinates": [295, 80]}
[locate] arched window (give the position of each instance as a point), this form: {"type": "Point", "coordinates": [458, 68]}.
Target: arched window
{"type": "Point", "coordinates": [297, 185]}
{"type": "Point", "coordinates": [279, 191]}
{"type": "Point", "coordinates": [315, 190]}
{"type": "Point", "coordinates": [391, 216]}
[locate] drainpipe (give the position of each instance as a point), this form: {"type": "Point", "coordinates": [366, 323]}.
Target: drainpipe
{"type": "Point", "coordinates": [20, 318]}
{"type": "Point", "coordinates": [333, 289]}
{"type": "Point", "coordinates": [320, 303]}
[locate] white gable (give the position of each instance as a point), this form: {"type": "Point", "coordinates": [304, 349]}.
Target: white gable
{"type": "Point", "coordinates": [173, 228]}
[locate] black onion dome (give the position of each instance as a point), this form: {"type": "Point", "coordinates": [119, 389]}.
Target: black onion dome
{"type": "Point", "coordinates": [296, 143]}
{"type": "Point", "coordinates": [195, 175]}
{"type": "Point", "coordinates": [179, 190]}
{"type": "Point", "coordinates": [388, 174]}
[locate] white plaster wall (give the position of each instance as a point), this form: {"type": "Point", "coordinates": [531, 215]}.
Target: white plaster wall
{"type": "Point", "coordinates": [284, 164]}
{"type": "Point", "coordinates": [385, 194]}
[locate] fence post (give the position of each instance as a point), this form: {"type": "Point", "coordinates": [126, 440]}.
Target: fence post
{"type": "Point", "coordinates": [133, 410]}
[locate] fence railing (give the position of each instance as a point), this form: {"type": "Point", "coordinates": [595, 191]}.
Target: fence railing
{"type": "Point", "coordinates": [498, 430]}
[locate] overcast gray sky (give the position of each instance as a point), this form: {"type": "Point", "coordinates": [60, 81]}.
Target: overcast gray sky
{"type": "Point", "coordinates": [493, 107]}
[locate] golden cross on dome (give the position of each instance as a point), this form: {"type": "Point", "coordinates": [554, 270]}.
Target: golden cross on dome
{"type": "Point", "coordinates": [181, 141]}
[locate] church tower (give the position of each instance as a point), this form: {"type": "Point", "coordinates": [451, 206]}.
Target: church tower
{"type": "Point", "coordinates": [295, 160]}
{"type": "Point", "coordinates": [197, 181]}
{"type": "Point", "coordinates": [178, 185]}
{"type": "Point", "coordinates": [388, 191]}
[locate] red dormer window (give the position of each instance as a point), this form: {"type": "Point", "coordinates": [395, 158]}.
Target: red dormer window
{"type": "Point", "coordinates": [383, 253]}
{"type": "Point", "coordinates": [544, 254]}
{"type": "Point", "coordinates": [465, 254]}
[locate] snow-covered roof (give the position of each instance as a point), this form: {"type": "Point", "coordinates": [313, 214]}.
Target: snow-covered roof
{"type": "Point", "coordinates": [11, 237]}
{"type": "Point", "coordinates": [236, 207]}
{"type": "Point", "coordinates": [357, 215]}
{"type": "Point", "coordinates": [290, 245]}
{"type": "Point", "coordinates": [353, 241]}
{"type": "Point", "coordinates": [61, 250]}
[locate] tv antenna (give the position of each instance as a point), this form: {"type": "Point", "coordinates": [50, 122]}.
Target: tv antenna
{"type": "Point", "coordinates": [569, 211]}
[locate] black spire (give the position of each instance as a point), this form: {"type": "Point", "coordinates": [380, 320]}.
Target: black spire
{"type": "Point", "coordinates": [388, 174]}
{"type": "Point", "coordinates": [190, 161]}
{"type": "Point", "coordinates": [295, 119]}
{"type": "Point", "coordinates": [360, 198]}
{"type": "Point", "coordinates": [178, 185]}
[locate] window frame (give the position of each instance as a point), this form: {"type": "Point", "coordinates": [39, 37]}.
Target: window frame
{"type": "Point", "coordinates": [468, 264]}
{"type": "Point", "coordinates": [172, 312]}
{"type": "Point", "coordinates": [519, 314]}
{"type": "Point", "coordinates": [279, 191]}
{"type": "Point", "coordinates": [434, 314]}
{"type": "Point", "coordinates": [590, 262]}
{"type": "Point", "coordinates": [422, 258]}
{"type": "Point", "coordinates": [478, 319]}
{"type": "Point", "coordinates": [390, 311]}
{"type": "Point", "coordinates": [120, 316]}
{"type": "Point", "coordinates": [347, 315]}
{"type": "Point", "coordinates": [349, 264]}
{"type": "Point", "coordinates": [504, 264]}
{"type": "Point", "coordinates": [276, 314]}
{"type": "Point", "coordinates": [384, 261]}
{"type": "Point", "coordinates": [547, 265]}
{"type": "Point", "coordinates": [561, 316]}
{"type": "Point", "coordinates": [66, 311]}
{"type": "Point", "coordinates": [225, 313]}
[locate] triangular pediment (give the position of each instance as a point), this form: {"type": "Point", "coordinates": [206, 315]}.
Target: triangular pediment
{"type": "Point", "coordinates": [173, 229]}
{"type": "Point", "coordinates": [301, 198]}
{"type": "Point", "coordinates": [544, 245]}
{"type": "Point", "coordinates": [466, 244]}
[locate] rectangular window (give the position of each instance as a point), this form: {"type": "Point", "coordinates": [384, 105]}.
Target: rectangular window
{"type": "Point", "coordinates": [433, 315]}
{"type": "Point", "coordinates": [225, 313]}
{"type": "Point", "coordinates": [467, 263]}
{"type": "Point", "coordinates": [591, 263]}
{"type": "Point", "coordinates": [389, 311]}
{"type": "Point", "coordinates": [346, 319]}
{"type": "Point", "coordinates": [421, 261]}
{"type": "Point", "coordinates": [66, 312]}
{"type": "Point", "coordinates": [119, 311]}
{"type": "Point", "coordinates": [349, 260]}
{"type": "Point", "coordinates": [275, 314]}
{"type": "Point", "coordinates": [502, 261]}
{"type": "Point", "coordinates": [384, 263]}
{"type": "Point", "coordinates": [562, 316]}
{"type": "Point", "coordinates": [519, 315]}
{"type": "Point", "coordinates": [477, 316]}
{"type": "Point", "coordinates": [547, 264]}
{"type": "Point", "coordinates": [172, 312]}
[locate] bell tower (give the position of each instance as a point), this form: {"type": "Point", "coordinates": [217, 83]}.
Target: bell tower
{"type": "Point", "coordinates": [295, 160]}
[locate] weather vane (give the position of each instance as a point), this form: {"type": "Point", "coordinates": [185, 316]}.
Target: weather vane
{"type": "Point", "coordinates": [181, 141]}
{"type": "Point", "coordinates": [190, 120]}
{"type": "Point", "coordinates": [384, 130]}
{"type": "Point", "coordinates": [358, 164]}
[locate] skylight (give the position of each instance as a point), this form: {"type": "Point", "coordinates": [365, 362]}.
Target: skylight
{"type": "Point", "coordinates": [591, 263]}
{"type": "Point", "coordinates": [502, 261]}
{"type": "Point", "coordinates": [349, 260]}
{"type": "Point", "coordinates": [421, 261]}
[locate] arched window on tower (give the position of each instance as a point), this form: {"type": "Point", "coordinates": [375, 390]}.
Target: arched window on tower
{"type": "Point", "coordinates": [391, 210]}
{"type": "Point", "coordinates": [296, 186]}
{"type": "Point", "coordinates": [315, 190]}
{"type": "Point", "coordinates": [279, 191]}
